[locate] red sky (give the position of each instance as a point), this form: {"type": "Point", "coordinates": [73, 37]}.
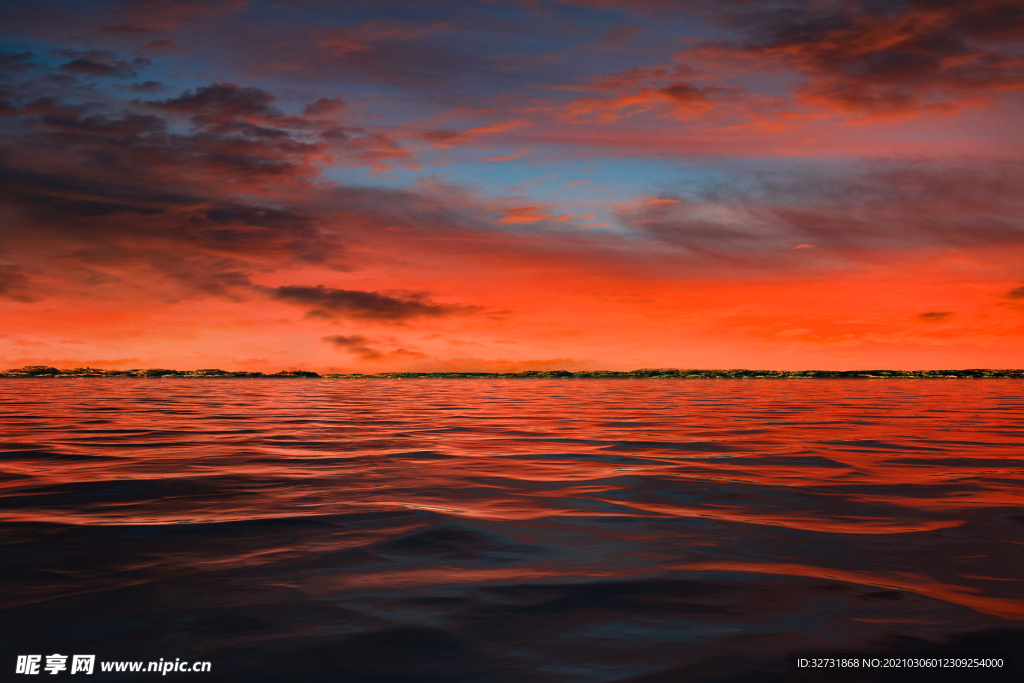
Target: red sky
{"type": "Point", "coordinates": [510, 185]}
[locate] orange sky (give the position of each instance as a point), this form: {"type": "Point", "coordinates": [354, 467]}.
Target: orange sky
{"type": "Point", "coordinates": [566, 184]}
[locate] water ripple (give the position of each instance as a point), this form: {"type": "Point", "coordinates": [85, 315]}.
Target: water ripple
{"type": "Point", "coordinates": [552, 531]}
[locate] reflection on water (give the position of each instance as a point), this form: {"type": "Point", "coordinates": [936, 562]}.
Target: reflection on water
{"type": "Point", "coordinates": [536, 531]}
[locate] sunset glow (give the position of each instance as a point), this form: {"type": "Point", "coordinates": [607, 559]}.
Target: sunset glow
{"type": "Point", "coordinates": [509, 185]}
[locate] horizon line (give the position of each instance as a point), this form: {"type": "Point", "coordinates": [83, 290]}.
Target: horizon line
{"type": "Point", "coordinates": [641, 373]}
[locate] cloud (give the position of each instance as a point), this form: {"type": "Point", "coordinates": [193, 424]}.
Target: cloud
{"type": "Point", "coordinates": [325, 105]}
{"type": "Point", "coordinates": [204, 192]}
{"type": "Point", "coordinates": [373, 149]}
{"type": "Point", "coordinates": [684, 92]}
{"type": "Point", "coordinates": [691, 102]}
{"type": "Point", "coordinates": [14, 284]}
{"type": "Point", "coordinates": [101, 63]}
{"type": "Point", "coordinates": [608, 109]}
{"type": "Point", "coordinates": [446, 138]}
{"type": "Point", "coordinates": [166, 45]}
{"type": "Point", "coordinates": [354, 344]}
{"type": "Point", "coordinates": [416, 54]}
{"type": "Point", "coordinates": [637, 5]}
{"type": "Point", "coordinates": [109, 208]}
{"type": "Point", "coordinates": [127, 191]}
{"type": "Point", "coordinates": [398, 306]}
{"type": "Point", "coordinates": [532, 214]}
{"type": "Point", "coordinates": [16, 62]}
{"type": "Point", "coordinates": [125, 30]}
{"type": "Point", "coordinates": [360, 37]}
{"type": "Point", "coordinates": [891, 59]}
{"type": "Point", "coordinates": [140, 149]}
{"type": "Point", "coordinates": [626, 80]}
{"type": "Point", "coordinates": [1016, 293]}
{"type": "Point", "coordinates": [221, 106]}
{"type": "Point", "coordinates": [615, 38]}
{"type": "Point", "coordinates": [878, 207]}
{"type": "Point", "coordinates": [935, 316]}
{"type": "Point", "coordinates": [112, 20]}
{"type": "Point", "coordinates": [228, 109]}
{"type": "Point", "coordinates": [639, 91]}
{"type": "Point", "coordinates": [148, 86]}
{"type": "Point", "coordinates": [357, 345]}
{"type": "Point", "coordinates": [167, 14]}
{"type": "Point", "coordinates": [132, 189]}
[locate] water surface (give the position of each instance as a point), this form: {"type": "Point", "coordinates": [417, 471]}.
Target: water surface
{"type": "Point", "coordinates": [509, 531]}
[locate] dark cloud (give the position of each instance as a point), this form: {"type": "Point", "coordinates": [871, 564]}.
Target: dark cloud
{"type": "Point", "coordinates": [103, 63]}
{"type": "Point", "coordinates": [354, 344]}
{"type": "Point", "coordinates": [66, 197]}
{"type": "Point", "coordinates": [110, 19]}
{"type": "Point", "coordinates": [43, 106]}
{"type": "Point", "coordinates": [127, 196]}
{"type": "Point", "coordinates": [1016, 293]}
{"type": "Point", "coordinates": [15, 62]}
{"type": "Point", "coordinates": [148, 86]}
{"type": "Point", "coordinates": [14, 284]}
{"type": "Point", "coordinates": [66, 208]}
{"type": "Point", "coordinates": [213, 276]}
{"type": "Point", "coordinates": [684, 92]}
{"type": "Point", "coordinates": [397, 306]}
{"type": "Point", "coordinates": [137, 147]}
{"type": "Point", "coordinates": [221, 105]}
{"type": "Point", "coordinates": [358, 346]}
{"type": "Point", "coordinates": [225, 109]}
{"type": "Point", "coordinates": [125, 29]}
{"type": "Point", "coordinates": [75, 184]}
{"type": "Point", "coordinates": [935, 316]}
{"type": "Point", "coordinates": [97, 128]}
{"type": "Point", "coordinates": [894, 57]}
{"type": "Point", "coordinates": [221, 100]}
{"type": "Point", "coordinates": [336, 134]}
{"type": "Point", "coordinates": [49, 107]}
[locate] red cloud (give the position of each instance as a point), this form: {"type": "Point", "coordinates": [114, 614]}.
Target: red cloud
{"type": "Point", "coordinates": [640, 91]}
{"type": "Point", "coordinates": [447, 138]}
{"type": "Point", "coordinates": [532, 214]}
{"type": "Point", "coordinates": [525, 214]}
{"type": "Point", "coordinates": [608, 109]}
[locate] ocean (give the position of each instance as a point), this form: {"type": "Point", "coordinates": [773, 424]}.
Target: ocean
{"type": "Point", "coordinates": [511, 531]}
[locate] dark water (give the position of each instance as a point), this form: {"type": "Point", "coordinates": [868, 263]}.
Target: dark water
{"type": "Point", "coordinates": [534, 531]}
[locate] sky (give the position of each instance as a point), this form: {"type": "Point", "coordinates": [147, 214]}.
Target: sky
{"type": "Point", "coordinates": [504, 185]}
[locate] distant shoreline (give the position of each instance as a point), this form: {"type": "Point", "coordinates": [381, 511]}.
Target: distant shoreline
{"type": "Point", "coordinates": [645, 373]}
